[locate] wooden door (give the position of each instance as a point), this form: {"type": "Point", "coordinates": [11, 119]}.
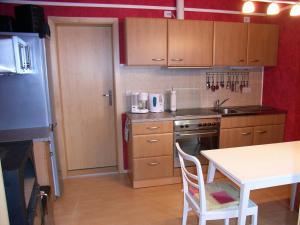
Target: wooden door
{"type": "Point", "coordinates": [230, 44]}
{"type": "Point", "coordinates": [268, 134]}
{"type": "Point", "coordinates": [236, 137]}
{"type": "Point", "coordinates": [190, 43]}
{"type": "Point", "coordinates": [86, 73]}
{"type": "Point", "coordinates": [262, 44]}
{"type": "Point", "coordinates": [146, 41]}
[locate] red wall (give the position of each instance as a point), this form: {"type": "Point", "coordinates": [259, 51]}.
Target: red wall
{"type": "Point", "coordinates": [280, 84]}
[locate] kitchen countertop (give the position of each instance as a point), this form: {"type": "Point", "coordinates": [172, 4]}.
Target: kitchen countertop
{"type": "Point", "coordinates": [203, 113]}
{"type": "Point", "coordinates": [36, 134]}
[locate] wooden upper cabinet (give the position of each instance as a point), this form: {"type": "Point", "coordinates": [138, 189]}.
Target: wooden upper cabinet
{"type": "Point", "coordinates": [230, 44]}
{"type": "Point", "coordinates": [262, 44]}
{"type": "Point", "coordinates": [146, 41]}
{"type": "Point", "coordinates": [190, 43]}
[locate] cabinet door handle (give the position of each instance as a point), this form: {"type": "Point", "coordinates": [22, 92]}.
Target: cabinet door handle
{"type": "Point", "coordinates": [261, 131]}
{"type": "Point", "coordinates": [153, 140]}
{"type": "Point", "coordinates": [153, 163]}
{"type": "Point", "coordinates": [152, 128]}
{"type": "Point", "coordinates": [246, 133]}
{"type": "Point", "coordinates": [158, 59]}
{"type": "Point", "coordinates": [242, 60]}
{"type": "Point", "coordinates": [176, 60]}
{"type": "Point", "coordinates": [254, 60]}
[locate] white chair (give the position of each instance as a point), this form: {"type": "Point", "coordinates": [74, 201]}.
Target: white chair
{"type": "Point", "coordinates": [198, 196]}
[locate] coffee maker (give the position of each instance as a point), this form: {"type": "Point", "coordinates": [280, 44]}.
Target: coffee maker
{"type": "Point", "coordinates": [139, 102]}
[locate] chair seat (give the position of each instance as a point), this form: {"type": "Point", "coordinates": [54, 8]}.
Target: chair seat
{"type": "Point", "coordinates": [219, 187]}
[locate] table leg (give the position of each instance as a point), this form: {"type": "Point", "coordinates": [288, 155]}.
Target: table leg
{"type": "Point", "coordinates": [244, 201]}
{"type": "Point", "coordinates": [293, 196]}
{"type": "Point", "coordinates": [211, 172]}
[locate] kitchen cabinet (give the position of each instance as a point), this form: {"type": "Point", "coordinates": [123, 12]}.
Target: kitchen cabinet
{"type": "Point", "coordinates": [146, 42]}
{"type": "Point", "coordinates": [230, 44]}
{"type": "Point", "coordinates": [236, 137]}
{"type": "Point", "coordinates": [190, 43]}
{"type": "Point", "coordinates": [150, 153]}
{"type": "Point", "coordinates": [239, 131]}
{"type": "Point", "coordinates": [268, 134]}
{"type": "Point", "coordinates": [41, 151]}
{"type": "Point", "coordinates": [262, 44]}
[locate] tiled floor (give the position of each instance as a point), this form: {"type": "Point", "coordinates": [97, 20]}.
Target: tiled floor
{"type": "Point", "coordinates": [109, 200]}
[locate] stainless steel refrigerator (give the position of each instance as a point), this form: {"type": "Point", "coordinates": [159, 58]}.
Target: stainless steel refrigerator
{"type": "Point", "coordinates": [24, 89]}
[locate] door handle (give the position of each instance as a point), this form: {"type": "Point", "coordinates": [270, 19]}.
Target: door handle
{"type": "Point", "coordinates": [109, 95]}
{"type": "Point", "coordinates": [153, 140]}
{"type": "Point", "coordinates": [153, 163]}
{"type": "Point", "coordinates": [261, 131]}
{"type": "Point", "coordinates": [177, 60]}
{"type": "Point", "coordinates": [246, 133]}
{"type": "Point", "coordinates": [152, 128]}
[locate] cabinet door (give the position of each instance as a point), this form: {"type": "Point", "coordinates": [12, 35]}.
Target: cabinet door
{"type": "Point", "coordinates": [262, 44]}
{"type": "Point", "coordinates": [146, 41]}
{"type": "Point", "coordinates": [236, 137]}
{"type": "Point", "coordinates": [230, 44]}
{"type": "Point", "coordinates": [268, 134]}
{"type": "Point", "coordinates": [190, 43]}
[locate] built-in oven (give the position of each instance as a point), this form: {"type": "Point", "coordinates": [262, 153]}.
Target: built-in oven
{"type": "Point", "coordinates": [196, 135]}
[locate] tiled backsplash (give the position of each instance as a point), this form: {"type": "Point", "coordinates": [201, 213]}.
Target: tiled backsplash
{"type": "Point", "coordinates": [189, 85]}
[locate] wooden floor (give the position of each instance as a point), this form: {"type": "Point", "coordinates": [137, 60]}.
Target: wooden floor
{"type": "Point", "coordinates": [109, 200]}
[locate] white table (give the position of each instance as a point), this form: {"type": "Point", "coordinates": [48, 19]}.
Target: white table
{"type": "Point", "coordinates": [255, 167]}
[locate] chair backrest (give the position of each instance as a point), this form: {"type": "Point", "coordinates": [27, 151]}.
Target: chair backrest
{"type": "Point", "coordinates": [190, 180]}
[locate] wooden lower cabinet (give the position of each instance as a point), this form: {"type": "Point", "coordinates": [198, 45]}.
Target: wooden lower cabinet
{"type": "Point", "coordinates": [154, 167]}
{"type": "Point", "coordinates": [151, 154]}
{"type": "Point", "coordinates": [268, 134]}
{"type": "Point", "coordinates": [236, 137]}
{"type": "Point", "coordinates": [42, 161]}
{"type": "Point", "coordinates": [251, 130]}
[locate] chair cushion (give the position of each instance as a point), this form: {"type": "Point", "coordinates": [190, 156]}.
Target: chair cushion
{"type": "Point", "coordinates": [219, 195]}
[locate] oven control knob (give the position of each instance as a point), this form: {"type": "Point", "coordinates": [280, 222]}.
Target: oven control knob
{"type": "Point", "coordinates": [181, 126]}
{"type": "Point", "coordinates": [186, 126]}
{"type": "Point", "coordinates": [204, 124]}
{"type": "Point", "coordinates": [209, 124]}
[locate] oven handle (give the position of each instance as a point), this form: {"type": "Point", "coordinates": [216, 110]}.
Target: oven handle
{"type": "Point", "coordinates": [197, 134]}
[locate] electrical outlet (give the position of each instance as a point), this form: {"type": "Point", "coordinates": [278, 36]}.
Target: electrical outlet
{"type": "Point", "coordinates": [168, 14]}
{"type": "Point", "coordinates": [246, 19]}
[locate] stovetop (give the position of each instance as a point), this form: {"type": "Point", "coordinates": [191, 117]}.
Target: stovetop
{"type": "Point", "coordinates": [195, 112]}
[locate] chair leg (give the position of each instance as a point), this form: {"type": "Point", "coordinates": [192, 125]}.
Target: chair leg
{"type": "Point", "coordinates": [293, 196]}
{"type": "Point", "coordinates": [202, 221]}
{"type": "Point", "coordinates": [226, 221]}
{"type": "Point", "coordinates": [254, 219]}
{"type": "Point", "coordinates": [185, 211]}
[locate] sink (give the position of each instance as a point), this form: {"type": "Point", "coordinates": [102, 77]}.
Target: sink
{"type": "Point", "coordinates": [225, 111]}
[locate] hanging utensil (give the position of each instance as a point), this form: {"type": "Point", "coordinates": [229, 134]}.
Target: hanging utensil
{"type": "Point", "coordinates": [217, 79]}
{"type": "Point", "coordinates": [242, 84]}
{"type": "Point", "coordinates": [248, 81]}
{"type": "Point", "coordinates": [232, 83]}
{"type": "Point", "coordinates": [222, 81]}
{"type": "Point", "coordinates": [237, 82]}
{"type": "Point", "coordinates": [228, 81]}
{"type": "Point", "coordinates": [213, 87]}
{"type": "Point", "coordinates": [207, 81]}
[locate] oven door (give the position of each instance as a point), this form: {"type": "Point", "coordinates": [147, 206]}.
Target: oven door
{"type": "Point", "coordinates": [193, 142]}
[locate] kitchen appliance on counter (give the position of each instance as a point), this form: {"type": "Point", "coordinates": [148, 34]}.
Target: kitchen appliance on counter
{"type": "Point", "coordinates": [173, 107]}
{"type": "Point", "coordinates": [139, 102]}
{"type": "Point", "coordinates": [156, 102]}
{"type": "Point", "coordinates": [196, 135]}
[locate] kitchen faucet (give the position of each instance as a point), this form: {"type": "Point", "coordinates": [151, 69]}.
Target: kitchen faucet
{"type": "Point", "coordinates": [218, 104]}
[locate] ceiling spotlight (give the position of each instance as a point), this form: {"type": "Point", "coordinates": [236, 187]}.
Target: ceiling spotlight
{"type": "Point", "coordinates": [273, 9]}
{"type": "Point", "coordinates": [295, 11]}
{"type": "Point", "coordinates": [248, 7]}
